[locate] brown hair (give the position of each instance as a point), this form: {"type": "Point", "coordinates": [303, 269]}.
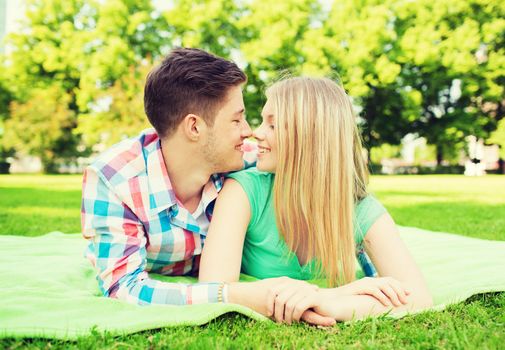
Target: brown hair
{"type": "Point", "coordinates": [188, 81]}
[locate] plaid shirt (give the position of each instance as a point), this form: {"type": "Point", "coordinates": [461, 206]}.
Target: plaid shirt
{"type": "Point", "coordinates": [135, 224]}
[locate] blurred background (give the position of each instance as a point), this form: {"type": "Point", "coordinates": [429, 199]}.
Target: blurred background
{"type": "Point", "coordinates": [427, 77]}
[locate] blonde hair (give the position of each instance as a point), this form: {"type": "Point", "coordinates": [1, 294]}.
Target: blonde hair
{"type": "Point", "coordinates": [320, 173]}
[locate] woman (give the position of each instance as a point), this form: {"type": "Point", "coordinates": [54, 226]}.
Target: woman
{"type": "Point", "coordinates": [305, 213]}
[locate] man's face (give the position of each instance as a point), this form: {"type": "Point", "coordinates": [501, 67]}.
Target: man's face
{"type": "Point", "coordinates": [223, 146]}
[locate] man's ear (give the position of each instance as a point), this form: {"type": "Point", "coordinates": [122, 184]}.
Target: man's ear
{"type": "Point", "coordinates": [193, 126]}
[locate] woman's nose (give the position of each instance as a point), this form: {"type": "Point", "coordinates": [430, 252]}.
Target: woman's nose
{"type": "Point", "coordinates": [258, 134]}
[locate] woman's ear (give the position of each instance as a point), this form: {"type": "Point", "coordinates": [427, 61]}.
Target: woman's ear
{"type": "Point", "coordinates": [193, 126]}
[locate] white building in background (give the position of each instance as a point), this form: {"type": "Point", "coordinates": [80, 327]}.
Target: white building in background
{"type": "Point", "coordinates": [11, 12]}
{"type": "Point", "coordinates": [481, 157]}
{"type": "Point", "coordinates": [3, 19]}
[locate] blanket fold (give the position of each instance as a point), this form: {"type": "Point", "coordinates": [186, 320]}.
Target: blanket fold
{"type": "Point", "coordinates": [47, 288]}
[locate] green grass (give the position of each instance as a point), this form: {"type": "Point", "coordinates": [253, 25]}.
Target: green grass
{"type": "Point", "coordinates": [33, 205]}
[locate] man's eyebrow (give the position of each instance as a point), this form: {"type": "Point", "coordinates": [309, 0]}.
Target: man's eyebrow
{"type": "Point", "coordinates": [241, 111]}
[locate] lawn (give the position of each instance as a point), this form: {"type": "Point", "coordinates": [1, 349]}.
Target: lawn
{"type": "Point", "coordinates": [34, 205]}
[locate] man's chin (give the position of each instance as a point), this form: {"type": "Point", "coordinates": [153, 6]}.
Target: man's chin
{"type": "Point", "coordinates": [236, 166]}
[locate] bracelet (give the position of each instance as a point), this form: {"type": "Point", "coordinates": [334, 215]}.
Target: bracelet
{"type": "Point", "coordinates": [222, 293]}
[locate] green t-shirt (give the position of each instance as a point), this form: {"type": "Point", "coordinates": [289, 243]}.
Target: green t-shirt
{"type": "Point", "coordinates": [265, 252]}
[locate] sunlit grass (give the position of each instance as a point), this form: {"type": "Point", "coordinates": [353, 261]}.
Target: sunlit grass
{"type": "Point", "coordinates": [471, 206]}
{"type": "Point", "coordinates": [34, 205]}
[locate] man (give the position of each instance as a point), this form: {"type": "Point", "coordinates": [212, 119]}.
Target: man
{"type": "Point", "coordinates": [147, 201]}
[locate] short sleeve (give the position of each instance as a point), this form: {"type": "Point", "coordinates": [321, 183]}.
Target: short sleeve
{"type": "Point", "coordinates": [367, 211]}
{"type": "Point", "coordinates": [258, 187]}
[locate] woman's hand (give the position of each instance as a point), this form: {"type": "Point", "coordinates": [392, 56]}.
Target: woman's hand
{"type": "Point", "coordinates": [387, 290]}
{"type": "Point", "coordinates": [290, 299]}
{"type": "Point", "coordinates": [283, 299]}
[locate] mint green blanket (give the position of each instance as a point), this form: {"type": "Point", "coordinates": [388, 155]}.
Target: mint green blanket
{"type": "Point", "coordinates": [47, 289]}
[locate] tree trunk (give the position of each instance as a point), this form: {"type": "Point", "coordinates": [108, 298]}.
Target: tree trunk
{"type": "Point", "coordinates": [440, 155]}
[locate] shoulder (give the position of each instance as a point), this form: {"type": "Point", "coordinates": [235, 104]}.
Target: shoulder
{"type": "Point", "coordinates": [126, 159]}
{"type": "Point", "coordinates": [367, 211]}
{"type": "Point", "coordinates": [369, 204]}
{"type": "Point", "coordinates": [257, 185]}
{"type": "Point", "coordinates": [252, 179]}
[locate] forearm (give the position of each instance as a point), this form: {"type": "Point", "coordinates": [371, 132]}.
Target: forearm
{"type": "Point", "coordinates": [237, 292]}
{"type": "Point", "coordinates": [213, 271]}
{"type": "Point", "coordinates": [148, 292]}
{"type": "Point", "coordinates": [351, 307]}
{"type": "Point", "coordinates": [222, 253]}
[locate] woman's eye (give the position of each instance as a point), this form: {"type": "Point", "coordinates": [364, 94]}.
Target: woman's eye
{"type": "Point", "coordinates": [271, 127]}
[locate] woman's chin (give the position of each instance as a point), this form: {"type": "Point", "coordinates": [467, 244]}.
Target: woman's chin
{"type": "Point", "coordinates": [261, 166]}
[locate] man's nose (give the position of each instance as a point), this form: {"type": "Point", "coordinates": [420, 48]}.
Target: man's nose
{"type": "Point", "coordinates": [246, 130]}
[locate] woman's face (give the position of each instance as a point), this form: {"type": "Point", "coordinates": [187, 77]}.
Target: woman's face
{"type": "Point", "coordinates": [267, 140]}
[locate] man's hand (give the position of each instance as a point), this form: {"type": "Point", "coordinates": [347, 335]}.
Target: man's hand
{"type": "Point", "coordinates": [283, 298]}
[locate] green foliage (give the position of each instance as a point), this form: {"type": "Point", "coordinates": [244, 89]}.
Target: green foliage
{"type": "Point", "coordinates": [273, 45]}
{"type": "Point", "coordinates": [448, 53]}
{"type": "Point", "coordinates": [384, 151]}
{"type": "Point", "coordinates": [6, 97]}
{"type": "Point", "coordinates": [68, 55]}
{"type": "Point", "coordinates": [207, 24]}
{"type": "Point", "coordinates": [424, 153]}
{"type": "Point", "coordinates": [42, 126]}
{"type": "Point", "coordinates": [122, 113]}
{"type": "Point", "coordinates": [425, 67]}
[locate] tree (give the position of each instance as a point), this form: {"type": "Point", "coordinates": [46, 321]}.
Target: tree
{"type": "Point", "coordinates": [119, 113]}
{"type": "Point", "coordinates": [452, 53]}
{"type": "Point", "coordinates": [41, 126]}
{"type": "Point", "coordinates": [6, 97]}
{"type": "Point", "coordinates": [498, 138]}
{"type": "Point", "coordinates": [356, 42]}
{"type": "Point", "coordinates": [82, 48]}
{"type": "Point", "coordinates": [269, 45]}
{"type": "Point", "coordinates": [435, 69]}
{"type": "Point", "coordinates": [121, 34]}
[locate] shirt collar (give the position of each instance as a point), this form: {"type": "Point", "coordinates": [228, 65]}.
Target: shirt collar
{"type": "Point", "coordinates": [161, 193]}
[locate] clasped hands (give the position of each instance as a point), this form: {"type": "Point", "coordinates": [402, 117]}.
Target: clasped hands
{"type": "Point", "coordinates": [289, 300]}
